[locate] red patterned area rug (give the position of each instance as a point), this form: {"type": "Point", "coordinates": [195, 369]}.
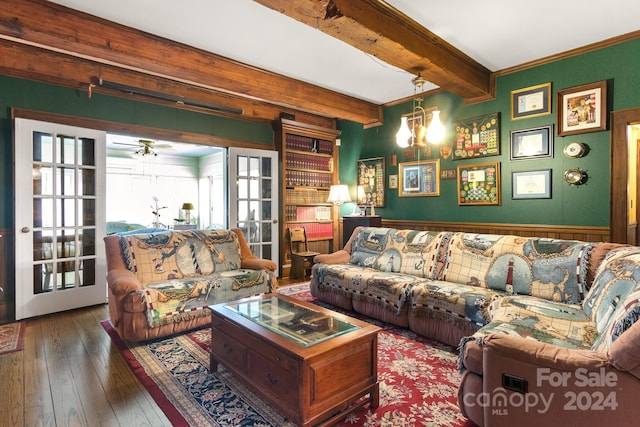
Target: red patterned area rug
{"type": "Point", "coordinates": [418, 381]}
{"type": "Point", "coordinates": [11, 336]}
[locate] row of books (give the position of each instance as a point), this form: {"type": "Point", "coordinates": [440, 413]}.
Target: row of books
{"type": "Point", "coordinates": [309, 161]}
{"type": "Point", "coordinates": [308, 179]}
{"type": "Point", "coordinates": [307, 213]}
{"type": "Point", "coordinates": [316, 230]}
{"type": "Point", "coordinates": [305, 143]}
{"type": "Point", "coordinates": [306, 197]}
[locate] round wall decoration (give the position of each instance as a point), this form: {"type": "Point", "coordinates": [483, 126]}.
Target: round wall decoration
{"type": "Point", "coordinates": [574, 150]}
{"type": "Point", "coordinates": [575, 176]}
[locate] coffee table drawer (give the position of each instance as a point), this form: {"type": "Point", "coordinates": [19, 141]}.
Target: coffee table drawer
{"type": "Point", "coordinates": [229, 351]}
{"type": "Point", "coordinates": [274, 378]}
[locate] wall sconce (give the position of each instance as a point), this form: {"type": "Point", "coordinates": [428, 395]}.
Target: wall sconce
{"type": "Point", "coordinates": [187, 207]}
{"type": "Point", "coordinates": [418, 134]}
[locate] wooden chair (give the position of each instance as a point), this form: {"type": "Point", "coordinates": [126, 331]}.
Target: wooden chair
{"type": "Point", "coordinates": [301, 257]}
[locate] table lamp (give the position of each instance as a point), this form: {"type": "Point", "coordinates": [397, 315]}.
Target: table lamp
{"type": "Point", "coordinates": [187, 207]}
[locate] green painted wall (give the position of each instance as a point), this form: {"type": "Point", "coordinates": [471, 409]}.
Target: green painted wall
{"type": "Point", "coordinates": [49, 98]}
{"type": "Point", "coordinates": [570, 205]}
{"type": "Point", "coordinates": [584, 205]}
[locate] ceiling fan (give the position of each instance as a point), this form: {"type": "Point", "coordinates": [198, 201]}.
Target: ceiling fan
{"type": "Point", "coordinates": [145, 147]}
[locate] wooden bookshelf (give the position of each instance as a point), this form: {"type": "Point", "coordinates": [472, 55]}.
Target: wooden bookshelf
{"type": "Point", "coordinates": [309, 168]}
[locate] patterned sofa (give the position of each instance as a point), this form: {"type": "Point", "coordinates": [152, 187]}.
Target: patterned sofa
{"type": "Point", "coordinates": [546, 328]}
{"type": "Point", "coordinates": [161, 283]}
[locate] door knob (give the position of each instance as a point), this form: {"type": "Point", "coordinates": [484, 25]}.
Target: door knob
{"type": "Point", "coordinates": [25, 229]}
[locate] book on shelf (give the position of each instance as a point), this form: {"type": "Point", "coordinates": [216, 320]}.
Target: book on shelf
{"type": "Point", "coordinates": [315, 230]}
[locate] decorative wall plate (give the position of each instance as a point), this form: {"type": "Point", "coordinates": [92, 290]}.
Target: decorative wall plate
{"type": "Point", "coordinates": [574, 150]}
{"type": "Point", "coordinates": [575, 176]}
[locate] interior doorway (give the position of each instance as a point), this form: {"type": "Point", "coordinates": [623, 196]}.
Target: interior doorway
{"type": "Point", "coordinates": [625, 134]}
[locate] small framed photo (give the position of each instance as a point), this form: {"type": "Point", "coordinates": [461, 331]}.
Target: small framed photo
{"type": "Point", "coordinates": [531, 184]}
{"type": "Point", "coordinates": [448, 173]}
{"type": "Point", "coordinates": [479, 184]}
{"type": "Point", "coordinates": [531, 101]}
{"type": "Point", "coordinates": [420, 178]}
{"type": "Point", "coordinates": [534, 143]}
{"type": "Point", "coordinates": [393, 181]}
{"type": "Point", "coordinates": [582, 109]}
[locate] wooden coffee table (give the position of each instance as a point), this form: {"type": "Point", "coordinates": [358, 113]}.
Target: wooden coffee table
{"type": "Point", "coordinates": [314, 365]}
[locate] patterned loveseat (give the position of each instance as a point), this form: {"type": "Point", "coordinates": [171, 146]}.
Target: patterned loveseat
{"type": "Point", "coordinates": [546, 327]}
{"type": "Point", "coordinates": [161, 283]}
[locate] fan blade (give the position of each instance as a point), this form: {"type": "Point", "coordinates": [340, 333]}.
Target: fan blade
{"type": "Point", "coordinates": [126, 143]}
{"type": "Point", "coordinates": [162, 146]}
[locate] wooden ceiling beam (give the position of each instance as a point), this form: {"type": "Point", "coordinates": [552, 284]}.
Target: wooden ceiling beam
{"type": "Point", "coordinates": [380, 30]}
{"type": "Point", "coordinates": [52, 27]}
{"type": "Point", "coordinates": [28, 62]}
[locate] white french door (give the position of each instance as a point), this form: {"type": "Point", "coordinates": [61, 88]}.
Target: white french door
{"type": "Point", "coordinates": [253, 199]}
{"type": "Point", "coordinates": [59, 217]}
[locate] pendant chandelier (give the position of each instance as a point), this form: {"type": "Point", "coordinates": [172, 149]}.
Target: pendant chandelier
{"type": "Point", "coordinates": [417, 134]}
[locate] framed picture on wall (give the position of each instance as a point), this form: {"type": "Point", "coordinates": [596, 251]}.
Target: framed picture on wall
{"type": "Point", "coordinates": [393, 182]}
{"type": "Point", "coordinates": [531, 184]}
{"type": "Point", "coordinates": [531, 101]}
{"type": "Point", "coordinates": [419, 178]}
{"type": "Point", "coordinates": [371, 182]}
{"type": "Point", "coordinates": [582, 109]}
{"type": "Point", "coordinates": [534, 143]}
{"type": "Point", "coordinates": [479, 184]}
{"type": "Point", "coordinates": [477, 137]}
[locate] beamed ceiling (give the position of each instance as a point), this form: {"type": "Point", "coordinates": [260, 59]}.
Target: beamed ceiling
{"type": "Point", "coordinates": [120, 51]}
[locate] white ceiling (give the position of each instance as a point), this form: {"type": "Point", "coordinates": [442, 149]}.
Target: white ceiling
{"type": "Point", "coordinates": [498, 34]}
{"type": "Point", "coordinates": [126, 147]}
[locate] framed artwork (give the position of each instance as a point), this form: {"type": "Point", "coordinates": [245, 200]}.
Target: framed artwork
{"type": "Point", "coordinates": [534, 143]}
{"type": "Point", "coordinates": [479, 184]}
{"type": "Point", "coordinates": [409, 153]}
{"type": "Point", "coordinates": [531, 184]}
{"type": "Point", "coordinates": [531, 101]}
{"type": "Point", "coordinates": [582, 109]}
{"type": "Point", "coordinates": [419, 178]}
{"type": "Point", "coordinates": [477, 137]}
{"type": "Point", "coordinates": [448, 173]}
{"type": "Point", "coordinates": [393, 182]}
{"type": "Point", "coordinates": [371, 180]}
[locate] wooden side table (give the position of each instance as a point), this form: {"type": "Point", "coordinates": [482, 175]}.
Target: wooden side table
{"type": "Point", "coordinates": [350, 222]}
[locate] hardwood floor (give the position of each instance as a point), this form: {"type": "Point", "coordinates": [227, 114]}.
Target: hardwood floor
{"type": "Point", "coordinates": [70, 373]}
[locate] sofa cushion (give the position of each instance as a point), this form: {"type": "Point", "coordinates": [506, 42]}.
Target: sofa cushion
{"type": "Point", "coordinates": [419, 252]}
{"type": "Point", "coordinates": [612, 302]}
{"type": "Point", "coordinates": [459, 304]}
{"type": "Point", "coordinates": [389, 290]}
{"type": "Point", "coordinates": [547, 319]}
{"type": "Point", "coordinates": [173, 255]}
{"type": "Point", "coordinates": [367, 247]}
{"type": "Point", "coordinates": [546, 268]}
{"type": "Point", "coordinates": [179, 299]}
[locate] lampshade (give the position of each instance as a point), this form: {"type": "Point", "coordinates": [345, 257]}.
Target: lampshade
{"type": "Point", "coordinates": [404, 133]}
{"type": "Point", "coordinates": [187, 206]}
{"type": "Point", "coordinates": [338, 194]}
{"type": "Point", "coordinates": [435, 131]}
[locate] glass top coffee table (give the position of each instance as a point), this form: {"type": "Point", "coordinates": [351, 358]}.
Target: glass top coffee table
{"type": "Point", "coordinates": [313, 364]}
{"type": "Point", "coordinates": [296, 322]}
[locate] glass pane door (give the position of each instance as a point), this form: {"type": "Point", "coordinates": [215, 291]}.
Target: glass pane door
{"type": "Point", "coordinates": [59, 218]}
{"type": "Point", "coordinates": [253, 200]}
